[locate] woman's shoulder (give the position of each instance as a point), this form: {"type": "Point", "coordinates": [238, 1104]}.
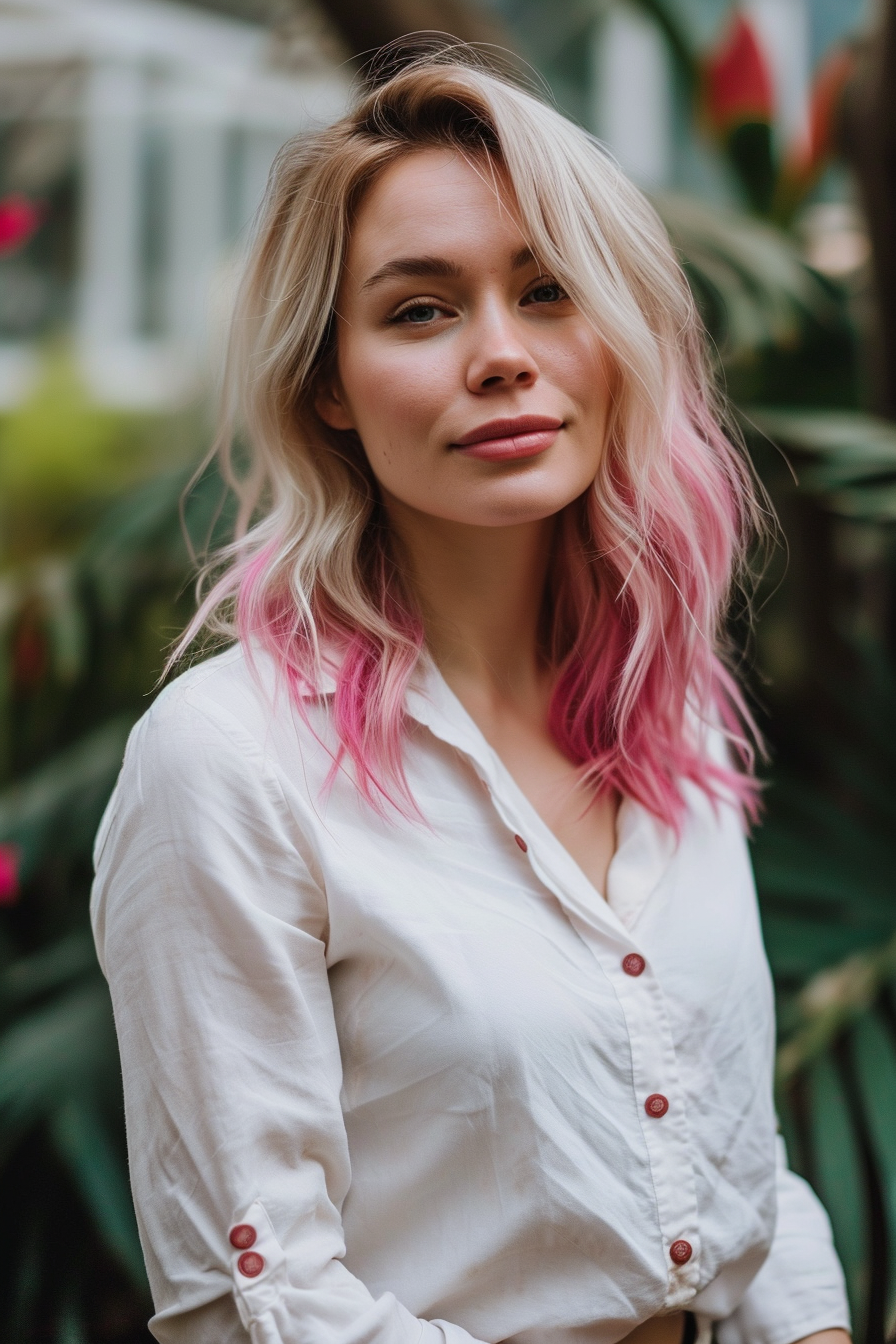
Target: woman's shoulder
{"type": "Point", "coordinates": [224, 687]}
{"type": "Point", "coordinates": [202, 805]}
{"type": "Point", "coordinates": [238, 694]}
{"type": "Point", "coordinates": [227, 723]}
{"type": "Point", "coordinates": [221, 748]}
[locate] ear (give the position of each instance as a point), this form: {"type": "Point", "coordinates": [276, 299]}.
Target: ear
{"type": "Point", "coordinates": [331, 407]}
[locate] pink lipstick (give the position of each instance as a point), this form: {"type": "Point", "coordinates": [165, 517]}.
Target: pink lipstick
{"type": "Point", "coordinates": [507, 439]}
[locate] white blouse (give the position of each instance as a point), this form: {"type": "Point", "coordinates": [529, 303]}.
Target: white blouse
{"type": "Point", "coordinates": [404, 1082]}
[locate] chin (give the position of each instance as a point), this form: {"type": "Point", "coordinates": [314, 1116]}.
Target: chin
{"type": "Point", "coordinates": [529, 506]}
{"type": "Point", "coordinates": [511, 516]}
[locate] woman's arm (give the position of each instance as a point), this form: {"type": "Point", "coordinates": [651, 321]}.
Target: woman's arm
{"type": "Point", "coordinates": [826, 1337]}
{"type": "Point", "coordinates": [210, 926]}
{"type": "Point", "coordinates": [799, 1293]}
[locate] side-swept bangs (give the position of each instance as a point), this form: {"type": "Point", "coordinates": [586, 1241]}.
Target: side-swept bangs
{"type": "Point", "coordinates": [644, 562]}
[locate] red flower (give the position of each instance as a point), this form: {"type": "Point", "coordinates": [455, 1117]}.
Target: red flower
{"type": "Point", "coordinates": [807, 158]}
{"type": "Point", "coordinates": [19, 221]}
{"type": "Point", "coordinates": [29, 656]}
{"type": "Point", "coordinates": [828, 88]}
{"type": "Point", "coordinates": [9, 874]}
{"type": "Point", "coordinates": [738, 81]}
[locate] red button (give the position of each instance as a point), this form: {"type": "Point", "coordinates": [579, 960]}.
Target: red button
{"type": "Point", "coordinates": [633, 964]}
{"type": "Point", "coordinates": [242, 1236]}
{"type": "Point", "coordinates": [251, 1263]}
{"type": "Point", "coordinates": [657, 1105]}
{"type": "Point", "coordinates": [521, 842]}
{"type": "Point", "coordinates": [681, 1252]}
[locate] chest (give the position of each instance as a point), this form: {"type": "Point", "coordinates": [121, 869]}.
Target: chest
{"type": "Point", "coordinates": [460, 961]}
{"type": "Point", "coordinates": [584, 825]}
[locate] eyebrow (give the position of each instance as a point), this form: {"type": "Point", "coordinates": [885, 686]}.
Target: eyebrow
{"type": "Point", "coordinates": [411, 268]}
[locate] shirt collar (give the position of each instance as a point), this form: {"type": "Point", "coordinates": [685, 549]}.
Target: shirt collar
{"type": "Point", "coordinates": [645, 846]}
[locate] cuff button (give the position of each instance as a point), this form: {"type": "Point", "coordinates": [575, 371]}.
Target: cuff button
{"type": "Point", "coordinates": [250, 1264]}
{"type": "Point", "coordinates": [242, 1236]}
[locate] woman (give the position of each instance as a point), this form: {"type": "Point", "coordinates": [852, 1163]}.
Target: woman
{"type": "Point", "coordinates": [426, 910]}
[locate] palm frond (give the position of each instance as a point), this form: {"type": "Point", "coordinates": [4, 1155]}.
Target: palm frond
{"type": "Point", "coordinates": [58, 806]}
{"type": "Point", "coordinates": [845, 459]}
{"type": "Point", "coordinates": [754, 288]}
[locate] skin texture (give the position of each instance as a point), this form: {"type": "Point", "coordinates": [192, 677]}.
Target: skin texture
{"type": "Point", "coordinates": [422, 359]}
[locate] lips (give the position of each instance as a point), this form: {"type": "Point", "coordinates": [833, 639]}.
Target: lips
{"type": "Point", "coordinates": [510, 438]}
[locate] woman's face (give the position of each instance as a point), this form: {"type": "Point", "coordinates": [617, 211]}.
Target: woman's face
{"type": "Point", "coordinates": [478, 390]}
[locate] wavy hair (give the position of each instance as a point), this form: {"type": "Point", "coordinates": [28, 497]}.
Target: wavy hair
{"type": "Point", "coordinates": [644, 562]}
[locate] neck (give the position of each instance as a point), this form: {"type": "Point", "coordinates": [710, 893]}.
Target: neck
{"type": "Point", "coordinates": [480, 590]}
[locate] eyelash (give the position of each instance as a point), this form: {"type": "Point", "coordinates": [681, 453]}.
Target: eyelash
{"type": "Point", "coordinates": [543, 282]}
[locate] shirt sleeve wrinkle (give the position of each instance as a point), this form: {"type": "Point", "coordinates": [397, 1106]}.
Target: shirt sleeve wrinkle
{"type": "Point", "coordinates": [210, 924]}
{"type": "Point", "coordinates": [800, 1288]}
{"type": "Point", "coordinates": [211, 917]}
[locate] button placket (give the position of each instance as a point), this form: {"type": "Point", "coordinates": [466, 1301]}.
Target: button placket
{"type": "Point", "coordinates": [654, 1062]}
{"type": "Point", "coordinates": [649, 1031]}
{"type": "Point", "coordinates": [664, 1126]}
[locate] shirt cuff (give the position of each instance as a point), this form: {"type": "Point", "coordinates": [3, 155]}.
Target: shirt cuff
{"type": "Point", "coordinates": [798, 1291]}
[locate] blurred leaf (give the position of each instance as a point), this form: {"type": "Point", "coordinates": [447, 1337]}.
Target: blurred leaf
{"type": "Point", "coordinates": [754, 287]}
{"type": "Point", "coordinates": [49, 969]}
{"type": "Point", "coordinates": [851, 447]}
{"type": "Point", "coordinates": [65, 798]}
{"type": "Point", "coordinates": [833, 1000]}
{"type": "Point", "coordinates": [874, 1043]}
{"type": "Point", "coordinates": [82, 1136]}
{"type": "Point", "coordinates": [826, 854]}
{"type": "Point", "coordinates": [65, 1049]}
{"type": "Point", "coordinates": [824, 865]}
{"type": "Point", "coordinates": [71, 1328]}
{"type": "Point", "coordinates": [59, 442]}
{"type": "Point", "coordinates": [851, 467]}
{"type": "Point", "coordinates": [66, 621]}
{"type": "Point", "coordinates": [839, 1175]}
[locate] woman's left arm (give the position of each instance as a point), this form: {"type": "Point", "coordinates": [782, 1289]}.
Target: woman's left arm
{"type": "Point", "coordinates": [799, 1293]}
{"type": "Point", "coordinates": [827, 1337]}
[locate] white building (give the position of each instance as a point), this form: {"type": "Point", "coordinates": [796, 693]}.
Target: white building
{"type": "Point", "coordinates": [163, 120]}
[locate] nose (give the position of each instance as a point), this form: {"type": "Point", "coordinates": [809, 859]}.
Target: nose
{"type": "Point", "coordinates": [500, 356]}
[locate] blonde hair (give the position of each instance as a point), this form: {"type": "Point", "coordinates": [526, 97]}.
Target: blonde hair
{"type": "Point", "coordinates": [644, 562]}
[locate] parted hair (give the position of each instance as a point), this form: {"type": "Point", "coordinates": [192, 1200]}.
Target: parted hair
{"type": "Point", "coordinates": [643, 563]}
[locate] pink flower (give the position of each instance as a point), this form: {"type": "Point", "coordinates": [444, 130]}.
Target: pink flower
{"type": "Point", "coordinates": [19, 220]}
{"type": "Point", "coordinates": [9, 874]}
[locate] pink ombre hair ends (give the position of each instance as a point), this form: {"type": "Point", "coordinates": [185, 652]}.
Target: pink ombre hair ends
{"type": "Point", "coordinates": [644, 563]}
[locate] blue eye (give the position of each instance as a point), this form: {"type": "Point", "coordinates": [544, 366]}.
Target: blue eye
{"type": "Point", "coordinates": [420, 313]}
{"type": "Point", "coordinates": [547, 293]}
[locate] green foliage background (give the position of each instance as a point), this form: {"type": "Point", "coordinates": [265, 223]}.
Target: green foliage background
{"type": "Point", "coordinates": [94, 582]}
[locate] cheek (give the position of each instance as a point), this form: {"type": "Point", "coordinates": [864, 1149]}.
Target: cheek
{"type": "Point", "coordinates": [395, 394]}
{"type": "Point", "coordinates": [581, 367]}
{"type": "Point", "coordinates": [587, 374]}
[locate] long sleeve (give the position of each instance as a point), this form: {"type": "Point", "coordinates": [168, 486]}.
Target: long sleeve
{"type": "Point", "coordinates": [800, 1287]}
{"type": "Point", "coordinates": [211, 922]}
{"type": "Point", "coordinates": [387, 1080]}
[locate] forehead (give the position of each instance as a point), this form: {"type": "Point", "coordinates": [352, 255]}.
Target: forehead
{"type": "Point", "coordinates": [434, 201]}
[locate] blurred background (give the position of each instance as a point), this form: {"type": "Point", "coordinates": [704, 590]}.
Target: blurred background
{"type": "Point", "coordinates": [135, 140]}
